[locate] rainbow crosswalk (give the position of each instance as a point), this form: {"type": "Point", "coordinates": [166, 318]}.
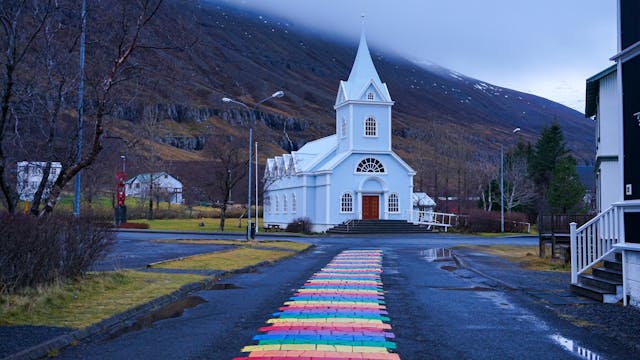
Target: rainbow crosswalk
{"type": "Point", "coordinates": [338, 314]}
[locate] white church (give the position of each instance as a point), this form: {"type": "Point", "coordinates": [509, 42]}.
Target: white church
{"type": "Point", "coordinates": [352, 175]}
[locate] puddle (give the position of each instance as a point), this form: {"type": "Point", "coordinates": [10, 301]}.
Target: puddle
{"type": "Point", "coordinates": [222, 287]}
{"type": "Point", "coordinates": [170, 311]}
{"type": "Point", "coordinates": [391, 270]}
{"type": "Point", "coordinates": [574, 348]}
{"type": "Point", "coordinates": [475, 288]}
{"type": "Point", "coordinates": [440, 254]}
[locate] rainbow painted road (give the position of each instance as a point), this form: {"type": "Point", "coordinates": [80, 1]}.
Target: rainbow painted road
{"type": "Point", "coordinates": [338, 314]}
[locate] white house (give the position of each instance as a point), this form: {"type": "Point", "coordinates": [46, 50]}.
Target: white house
{"type": "Point", "coordinates": [29, 177]}
{"type": "Point", "coordinates": [612, 238]}
{"type": "Point", "coordinates": [602, 105]}
{"type": "Point", "coordinates": [353, 174]}
{"type": "Point", "coordinates": [165, 187]}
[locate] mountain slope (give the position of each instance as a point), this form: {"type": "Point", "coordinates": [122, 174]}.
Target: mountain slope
{"type": "Point", "coordinates": [442, 121]}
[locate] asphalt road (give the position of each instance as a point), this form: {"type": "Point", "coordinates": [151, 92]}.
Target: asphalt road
{"type": "Point", "coordinates": [437, 310]}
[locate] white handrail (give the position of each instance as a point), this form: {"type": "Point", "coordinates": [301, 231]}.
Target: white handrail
{"type": "Point", "coordinates": [430, 218]}
{"type": "Point", "coordinates": [593, 241]}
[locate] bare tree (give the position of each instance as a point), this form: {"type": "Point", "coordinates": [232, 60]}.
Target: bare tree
{"type": "Point", "coordinates": [229, 169]}
{"type": "Point", "coordinates": [519, 188]}
{"type": "Point", "coordinates": [21, 22]}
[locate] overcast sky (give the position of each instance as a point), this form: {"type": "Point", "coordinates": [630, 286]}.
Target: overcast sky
{"type": "Point", "coordinates": [544, 47]}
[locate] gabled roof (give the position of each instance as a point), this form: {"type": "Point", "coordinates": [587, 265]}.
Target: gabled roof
{"type": "Point", "coordinates": [593, 85]}
{"type": "Point", "coordinates": [421, 199]}
{"type": "Point", "coordinates": [363, 74]}
{"type": "Point", "coordinates": [147, 176]}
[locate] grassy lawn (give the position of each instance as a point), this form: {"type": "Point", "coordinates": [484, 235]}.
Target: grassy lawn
{"type": "Point", "coordinates": [225, 260]}
{"type": "Point", "coordinates": [94, 298]}
{"type": "Point", "coordinates": [98, 296]}
{"type": "Point", "coordinates": [210, 224]}
{"type": "Point", "coordinates": [526, 256]}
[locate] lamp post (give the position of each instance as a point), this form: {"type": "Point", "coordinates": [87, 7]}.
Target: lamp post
{"type": "Point", "coordinates": [515, 131]}
{"type": "Point", "coordinates": [277, 94]}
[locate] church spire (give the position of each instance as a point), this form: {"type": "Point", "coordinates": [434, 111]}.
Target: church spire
{"type": "Point", "coordinates": [363, 75]}
{"type": "Point", "coordinates": [363, 69]}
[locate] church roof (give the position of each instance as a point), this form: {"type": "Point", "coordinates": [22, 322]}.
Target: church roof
{"type": "Point", "coordinates": [363, 76]}
{"type": "Point", "coordinates": [313, 152]}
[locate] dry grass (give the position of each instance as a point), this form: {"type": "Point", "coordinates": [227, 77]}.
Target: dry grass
{"type": "Point", "coordinates": [89, 300]}
{"type": "Point", "coordinates": [209, 224]}
{"type": "Point", "coordinates": [226, 260]}
{"type": "Point", "coordinates": [526, 256]}
{"type": "Point", "coordinates": [278, 244]}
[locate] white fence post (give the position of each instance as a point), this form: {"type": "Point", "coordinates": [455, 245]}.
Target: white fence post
{"type": "Point", "coordinates": [574, 253]}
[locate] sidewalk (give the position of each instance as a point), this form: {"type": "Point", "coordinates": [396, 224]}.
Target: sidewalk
{"type": "Point", "coordinates": [612, 321]}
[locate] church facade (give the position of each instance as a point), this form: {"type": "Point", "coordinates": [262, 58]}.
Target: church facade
{"type": "Point", "coordinates": [353, 174]}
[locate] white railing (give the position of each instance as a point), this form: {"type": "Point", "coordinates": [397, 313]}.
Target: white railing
{"type": "Point", "coordinates": [433, 219]}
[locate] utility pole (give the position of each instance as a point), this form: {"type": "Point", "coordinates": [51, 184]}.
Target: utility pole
{"type": "Point", "coordinates": [76, 196]}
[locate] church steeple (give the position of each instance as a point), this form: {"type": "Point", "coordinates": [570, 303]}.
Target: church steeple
{"type": "Point", "coordinates": [363, 107]}
{"type": "Point", "coordinates": [363, 77]}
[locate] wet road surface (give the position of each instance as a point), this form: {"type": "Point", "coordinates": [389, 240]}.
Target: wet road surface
{"type": "Point", "coordinates": [437, 310]}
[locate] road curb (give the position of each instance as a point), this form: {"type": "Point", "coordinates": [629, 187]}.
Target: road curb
{"type": "Point", "coordinates": [127, 318]}
{"type": "Point", "coordinates": [461, 263]}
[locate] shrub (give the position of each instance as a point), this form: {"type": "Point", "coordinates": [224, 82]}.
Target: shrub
{"type": "Point", "coordinates": [129, 225]}
{"type": "Point", "coordinates": [36, 251]}
{"type": "Point", "coordinates": [300, 225]}
{"type": "Point", "coordinates": [489, 221]}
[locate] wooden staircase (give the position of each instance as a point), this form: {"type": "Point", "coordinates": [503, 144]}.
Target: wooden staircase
{"type": "Point", "coordinates": [378, 227]}
{"type": "Point", "coordinates": [604, 284]}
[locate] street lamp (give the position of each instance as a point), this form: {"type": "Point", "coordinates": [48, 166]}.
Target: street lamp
{"type": "Point", "coordinates": [515, 131]}
{"type": "Point", "coordinates": [277, 94]}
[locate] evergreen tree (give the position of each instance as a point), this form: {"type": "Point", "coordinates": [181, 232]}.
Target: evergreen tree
{"type": "Point", "coordinates": [565, 190]}
{"type": "Point", "coordinates": [549, 148]}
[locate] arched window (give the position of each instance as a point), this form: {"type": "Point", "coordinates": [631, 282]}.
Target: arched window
{"type": "Point", "coordinates": [370, 127]}
{"type": "Point", "coordinates": [346, 203]}
{"type": "Point", "coordinates": [394, 203]}
{"type": "Point", "coordinates": [276, 204]}
{"type": "Point", "coordinates": [343, 131]}
{"type": "Point", "coordinates": [284, 204]}
{"type": "Point", "coordinates": [370, 96]}
{"type": "Point", "coordinates": [294, 206]}
{"type": "Point", "coordinates": [267, 204]}
{"type": "Point", "coordinates": [370, 165]}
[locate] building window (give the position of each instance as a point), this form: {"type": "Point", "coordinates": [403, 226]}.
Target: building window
{"type": "Point", "coordinates": [276, 205]}
{"type": "Point", "coordinates": [370, 165]}
{"type": "Point", "coordinates": [293, 204]}
{"type": "Point", "coordinates": [346, 203]}
{"type": "Point", "coordinates": [284, 204]}
{"type": "Point", "coordinates": [370, 96]}
{"type": "Point", "coordinates": [370, 127]}
{"type": "Point", "coordinates": [394, 203]}
{"type": "Point", "coordinates": [267, 204]}
{"type": "Point", "coordinates": [343, 131]}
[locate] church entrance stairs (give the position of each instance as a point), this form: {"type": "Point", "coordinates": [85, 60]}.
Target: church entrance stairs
{"type": "Point", "coordinates": [378, 227]}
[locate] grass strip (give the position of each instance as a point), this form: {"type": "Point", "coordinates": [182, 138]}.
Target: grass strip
{"type": "Point", "coordinates": [278, 244]}
{"type": "Point", "coordinates": [200, 224]}
{"type": "Point", "coordinates": [93, 298]}
{"type": "Point", "coordinates": [225, 260]}
{"type": "Point", "coordinates": [524, 255]}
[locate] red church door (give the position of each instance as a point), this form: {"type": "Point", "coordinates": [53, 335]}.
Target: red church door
{"type": "Point", "coordinates": [370, 207]}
